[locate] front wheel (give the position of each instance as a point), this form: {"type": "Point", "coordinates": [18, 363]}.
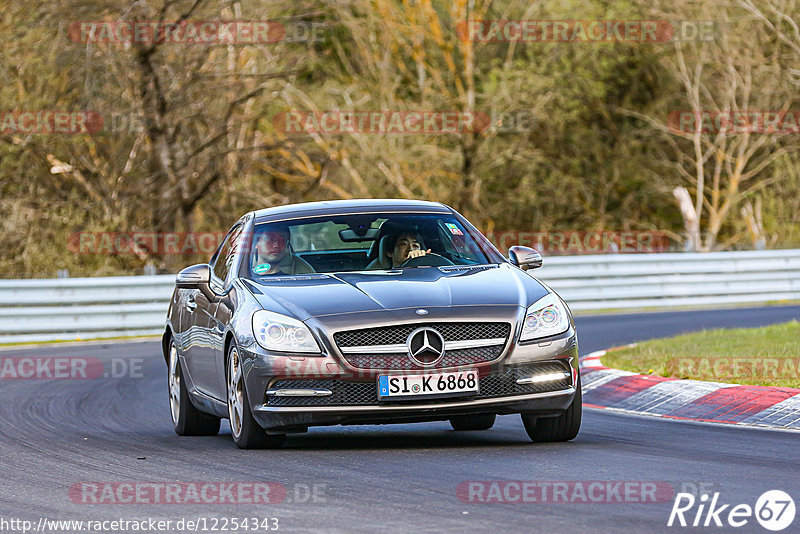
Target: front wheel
{"type": "Point", "coordinates": [244, 429]}
{"type": "Point", "coordinates": [562, 428]}
{"type": "Point", "coordinates": [186, 419]}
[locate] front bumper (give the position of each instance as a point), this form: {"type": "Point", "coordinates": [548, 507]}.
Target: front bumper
{"type": "Point", "coordinates": [353, 395]}
{"type": "Point", "coordinates": [280, 419]}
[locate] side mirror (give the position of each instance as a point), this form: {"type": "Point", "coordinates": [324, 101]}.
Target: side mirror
{"type": "Point", "coordinates": [193, 277]}
{"type": "Point", "coordinates": [524, 257]}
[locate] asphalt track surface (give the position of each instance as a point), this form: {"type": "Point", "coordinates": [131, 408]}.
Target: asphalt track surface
{"type": "Point", "coordinates": [399, 478]}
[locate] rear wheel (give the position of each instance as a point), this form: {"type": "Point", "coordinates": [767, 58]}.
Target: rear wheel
{"type": "Point", "coordinates": [473, 422]}
{"type": "Point", "coordinates": [562, 428]}
{"type": "Point", "coordinates": [244, 428]}
{"type": "Point", "coordinates": [186, 419]}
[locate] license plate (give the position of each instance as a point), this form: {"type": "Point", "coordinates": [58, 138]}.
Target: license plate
{"type": "Point", "coordinates": [428, 385]}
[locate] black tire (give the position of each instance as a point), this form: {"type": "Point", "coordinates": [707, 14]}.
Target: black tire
{"type": "Point", "coordinates": [186, 419]}
{"type": "Point", "coordinates": [246, 432]}
{"type": "Point", "coordinates": [565, 427]}
{"type": "Point", "coordinates": [483, 421]}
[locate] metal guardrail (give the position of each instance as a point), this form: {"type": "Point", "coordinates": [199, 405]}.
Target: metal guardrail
{"type": "Point", "coordinates": [83, 308]}
{"type": "Point", "coordinates": [86, 308]}
{"type": "Point", "coordinates": [675, 279]}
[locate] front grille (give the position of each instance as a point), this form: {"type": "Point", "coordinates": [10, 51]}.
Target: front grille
{"type": "Point", "coordinates": [498, 384]}
{"type": "Point", "coordinates": [397, 335]}
{"type": "Point", "coordinates": [394, 335]}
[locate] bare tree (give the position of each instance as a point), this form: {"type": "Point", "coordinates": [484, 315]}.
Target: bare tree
{"type": "Point", "coordinates": [721, 160]}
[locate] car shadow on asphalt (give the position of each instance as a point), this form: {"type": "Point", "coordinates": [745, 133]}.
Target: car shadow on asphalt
{"type": "Point", "coordinates": [414, 436]}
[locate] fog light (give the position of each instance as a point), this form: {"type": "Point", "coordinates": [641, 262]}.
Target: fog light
{"type": "Point", "coordinates": [299, 392]}
{"type": "Point", "coordinates": [549, 377]}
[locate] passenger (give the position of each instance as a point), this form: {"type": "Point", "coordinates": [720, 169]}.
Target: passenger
{"type": "Point", "coordinates": [272, 254]}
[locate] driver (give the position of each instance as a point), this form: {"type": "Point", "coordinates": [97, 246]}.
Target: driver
{"type": "Point", "coordinates": [272, 254]}
{"type": "Point", "coordinates": [402, 246]}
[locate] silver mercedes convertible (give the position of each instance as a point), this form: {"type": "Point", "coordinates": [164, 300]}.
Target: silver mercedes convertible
{"type": "Point", "coordinates": [367, 312]}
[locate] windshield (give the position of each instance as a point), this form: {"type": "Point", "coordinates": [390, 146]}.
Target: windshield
{"type": "Point", "coordinates": [365, 242]}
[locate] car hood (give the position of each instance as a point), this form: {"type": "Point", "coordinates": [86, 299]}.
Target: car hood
{"type": "Point", "coordinates": [320, 295]}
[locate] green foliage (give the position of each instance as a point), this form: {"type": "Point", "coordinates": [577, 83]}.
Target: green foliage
{"type": "Point", "coordinates": [766, 356]}
{"type": "Point", "coordinates": [190, 142]}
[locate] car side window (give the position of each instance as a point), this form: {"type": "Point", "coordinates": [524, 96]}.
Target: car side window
{"type": "Point", "coordinates": [227, 254]}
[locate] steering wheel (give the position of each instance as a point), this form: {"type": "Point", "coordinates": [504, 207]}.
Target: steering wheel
{"type": "Point", "coordinates": [430, 259]}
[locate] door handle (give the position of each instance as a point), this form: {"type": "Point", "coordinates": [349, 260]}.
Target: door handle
{"type": "Point", "coordinates": [190, 305]}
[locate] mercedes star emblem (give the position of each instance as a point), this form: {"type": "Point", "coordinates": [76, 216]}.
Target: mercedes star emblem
{"type": "Point", "coordinates": [425, 346]}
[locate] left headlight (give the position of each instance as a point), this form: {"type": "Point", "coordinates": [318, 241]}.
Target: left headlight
{"type": "Point", "coordinates": [547, 317]}
{"type": "Point", "coordinates": [274, 331]}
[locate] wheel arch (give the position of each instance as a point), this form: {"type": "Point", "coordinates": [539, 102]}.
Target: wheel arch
{"type": "Point", "coordinates": [165, 343]}
{"type": "Point", "coordinates": [227, 345]}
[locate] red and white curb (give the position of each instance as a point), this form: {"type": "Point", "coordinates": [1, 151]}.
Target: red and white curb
{"type": "Point", "coordinates": [693, 400]}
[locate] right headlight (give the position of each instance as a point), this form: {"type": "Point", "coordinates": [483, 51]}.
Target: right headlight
{"type": "Point", "coordinates": [274, 331]}
{"type": "Point", "coordinates": [546, 317]}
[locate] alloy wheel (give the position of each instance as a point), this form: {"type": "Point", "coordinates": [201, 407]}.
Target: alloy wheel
{"type": "Point", "coordinates": [174, 383]}
{"type": "Point", "coordinates": [235, 393]}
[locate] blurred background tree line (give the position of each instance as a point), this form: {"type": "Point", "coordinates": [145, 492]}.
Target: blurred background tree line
{"type": "Point", "coordinates": [579, 140]}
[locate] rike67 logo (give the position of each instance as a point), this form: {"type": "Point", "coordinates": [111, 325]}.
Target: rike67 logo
{"type": "Point", "coordinates": [774, 510]}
